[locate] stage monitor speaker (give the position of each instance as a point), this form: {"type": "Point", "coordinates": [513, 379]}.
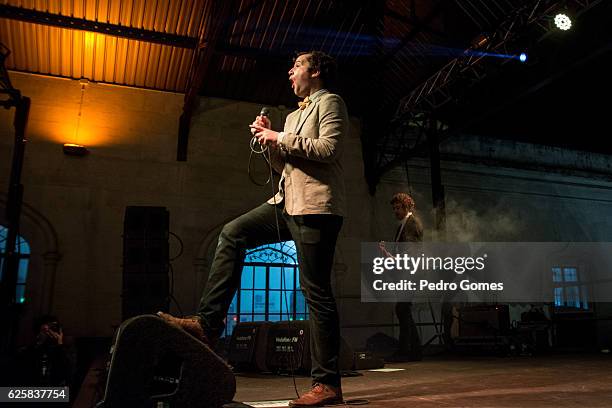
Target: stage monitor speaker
{"type": "Point", "coordinates": [366, 360]}
{"type": "Point", "coordinates": [382, 345]}
{"type": "Point", "coordinates": [289, 348]}
{"type": "Point", "coordinates": [153, 362]}
{"type": "Point", "coordinates": [484, 321]}
{"type": "Point", "coordinates": [247, 348]}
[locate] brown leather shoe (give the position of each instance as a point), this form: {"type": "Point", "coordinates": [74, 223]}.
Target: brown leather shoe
{"type": "Point", "coordinates": [191, 324]}
{"type": "Point", "coordinates": [319, 395]}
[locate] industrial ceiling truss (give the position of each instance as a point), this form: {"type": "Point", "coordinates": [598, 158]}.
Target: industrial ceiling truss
{"type": "Point", "coordinates": [491, 50]}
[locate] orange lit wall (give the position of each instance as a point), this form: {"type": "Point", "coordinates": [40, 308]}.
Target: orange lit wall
{"type": "Point", "coordinates": [95, 115]}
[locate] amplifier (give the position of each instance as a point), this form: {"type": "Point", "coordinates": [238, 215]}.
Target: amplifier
{"type": "Point", "coordinates": [247, 349]}
{"type": "Point", "coordinates": [288, 349]}
{"type": "Point", "coordinates": [484, 321]}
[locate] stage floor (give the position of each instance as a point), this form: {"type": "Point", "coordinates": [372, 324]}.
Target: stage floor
{"type": "Point", "coordinates": [550, 381]}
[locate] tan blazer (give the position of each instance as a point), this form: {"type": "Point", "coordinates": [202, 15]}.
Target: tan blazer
{"type": "Point", "coordinates": [312, 180]}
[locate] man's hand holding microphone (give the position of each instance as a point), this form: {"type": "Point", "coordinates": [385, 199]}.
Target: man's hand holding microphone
{"type": "Point", "coordinates": [260, 129]}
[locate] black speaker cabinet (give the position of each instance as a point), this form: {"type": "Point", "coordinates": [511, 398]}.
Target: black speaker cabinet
{"type": "Point", "coordinates": [148, 256]}
{"type": "Point", "coordinates": [288, 347]}
{"type": "Point", "coordinates": [484, 321]}
{"type": "Point", "coordinates": [247, 349]}
{"type": "Point", "coordinates": [148, 223]}
{"type": "Point", "coordinates": [153, 361]}
{"type": "Point", "coordinates": [366, 360]}
{"type": "Point", "coordinates": [145, 261]}
{"type": "Point", "coordinates": [144, 294]}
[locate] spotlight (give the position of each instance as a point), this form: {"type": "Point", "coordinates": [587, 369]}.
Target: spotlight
{"type": "Point", "coordinates": [563, 22]}
{"type": "Point", "coordinates": [72, 149]}
{"type": "Point", "coordinates": [480, 41]}
{"type": "Point", "coordinates": [523, 57]}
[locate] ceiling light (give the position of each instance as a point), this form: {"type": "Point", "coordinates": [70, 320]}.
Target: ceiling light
{"type": "Point", "coordinates": [563, 22]}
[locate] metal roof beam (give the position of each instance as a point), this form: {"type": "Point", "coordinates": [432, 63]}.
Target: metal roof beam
{"type": "Point", "coordinates": [216, 19]}
{"type": "Point", "coordinates": [416, 22]}
{"type": "Point", "coordinates": [424, 25]}
{"type": "Point", "coordinates": [58, 20]}
{"type": "Point", "coordinates": [470, 66]}
{"type": "Point", "coordinates": [399, 143]}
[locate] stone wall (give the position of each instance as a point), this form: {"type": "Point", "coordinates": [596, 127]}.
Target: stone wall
{"type": "Point", "coordinates": [74, 207]}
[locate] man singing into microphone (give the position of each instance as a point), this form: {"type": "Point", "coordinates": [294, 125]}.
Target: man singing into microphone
{"type": "Point", "coordinates": [308, 207]}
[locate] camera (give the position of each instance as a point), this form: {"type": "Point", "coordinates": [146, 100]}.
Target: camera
{"type": "Point", "coordinates": [55, 326]}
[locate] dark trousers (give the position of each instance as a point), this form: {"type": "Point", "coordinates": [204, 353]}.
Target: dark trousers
{"type": "Point", "coordinates": [409, 339]}
{"type": "Point", "coordinates": [315, 239]}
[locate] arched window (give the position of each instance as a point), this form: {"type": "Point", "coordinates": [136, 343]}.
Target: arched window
{"type": "Point", "coordinates": [23, 249]}
{"type": "Point", "coordinates": [270, 287]}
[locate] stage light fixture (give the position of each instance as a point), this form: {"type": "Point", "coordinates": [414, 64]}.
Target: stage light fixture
{"type": "Point", "coordinates": [523, 57]}
{"type": "Point", "coordinates": [76, 149]}
{"type": "Point", "coordinates": [72, 149]}
{"type": "Point", "coordinates": [563, 22]}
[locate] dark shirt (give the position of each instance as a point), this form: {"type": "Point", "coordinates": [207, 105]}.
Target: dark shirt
{"type": "Point", "coordinates": [413, 230]}
{"type": "Point", "coordinates": [43, 365]}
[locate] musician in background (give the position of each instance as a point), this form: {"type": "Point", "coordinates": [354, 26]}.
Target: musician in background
{"type": "Point", "coordinates": [409, 229]}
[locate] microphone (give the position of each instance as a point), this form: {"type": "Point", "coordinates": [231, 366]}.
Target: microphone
{"type": "Point", "coordinates": [255, 146]}
{"type": "Point", "coordinates": [263, 112]}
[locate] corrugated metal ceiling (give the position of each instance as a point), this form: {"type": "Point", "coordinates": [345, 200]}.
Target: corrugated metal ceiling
{"type": "Point", "coordinates": [73, 53]}
{"type": "Point", "coordinates": [242, 49]}
{"type": "Point", "coordinates": [392, 40]}
{"type": "Point", "coordinates": [261, 37]}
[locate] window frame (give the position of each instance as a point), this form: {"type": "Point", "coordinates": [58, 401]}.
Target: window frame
{"type": "Point", "coordinates": [290, 297]}
{"type": "Point", "coordinates": [586, 306]}
{"type": "Point", "coordinates": [24, 259]}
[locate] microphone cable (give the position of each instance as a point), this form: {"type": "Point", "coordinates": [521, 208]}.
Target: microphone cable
{"type": "Point", "coordinates": [264, 151]}
{"type": "Point", "coordinates": [283, 283]}
{"type": "Point", "coordinates": [257, 148]}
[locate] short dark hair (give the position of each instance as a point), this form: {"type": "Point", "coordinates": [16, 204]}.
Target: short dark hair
{"type": "Point", "coordinates": [44, 319]}
{"type": "Point", "coordinates": [324, 63]}
{"type": "Point", "coordinates": [405, 200]}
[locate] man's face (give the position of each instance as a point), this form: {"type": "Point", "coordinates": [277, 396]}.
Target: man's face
{"type": "Point", "coordinates": [46, 327]}
{"type": "Point", "coordinates": [48, 333]}
{"type": "Point", "coordinates": [299, 76]}
{"type": "Point", "coordinates": [400, 211]}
